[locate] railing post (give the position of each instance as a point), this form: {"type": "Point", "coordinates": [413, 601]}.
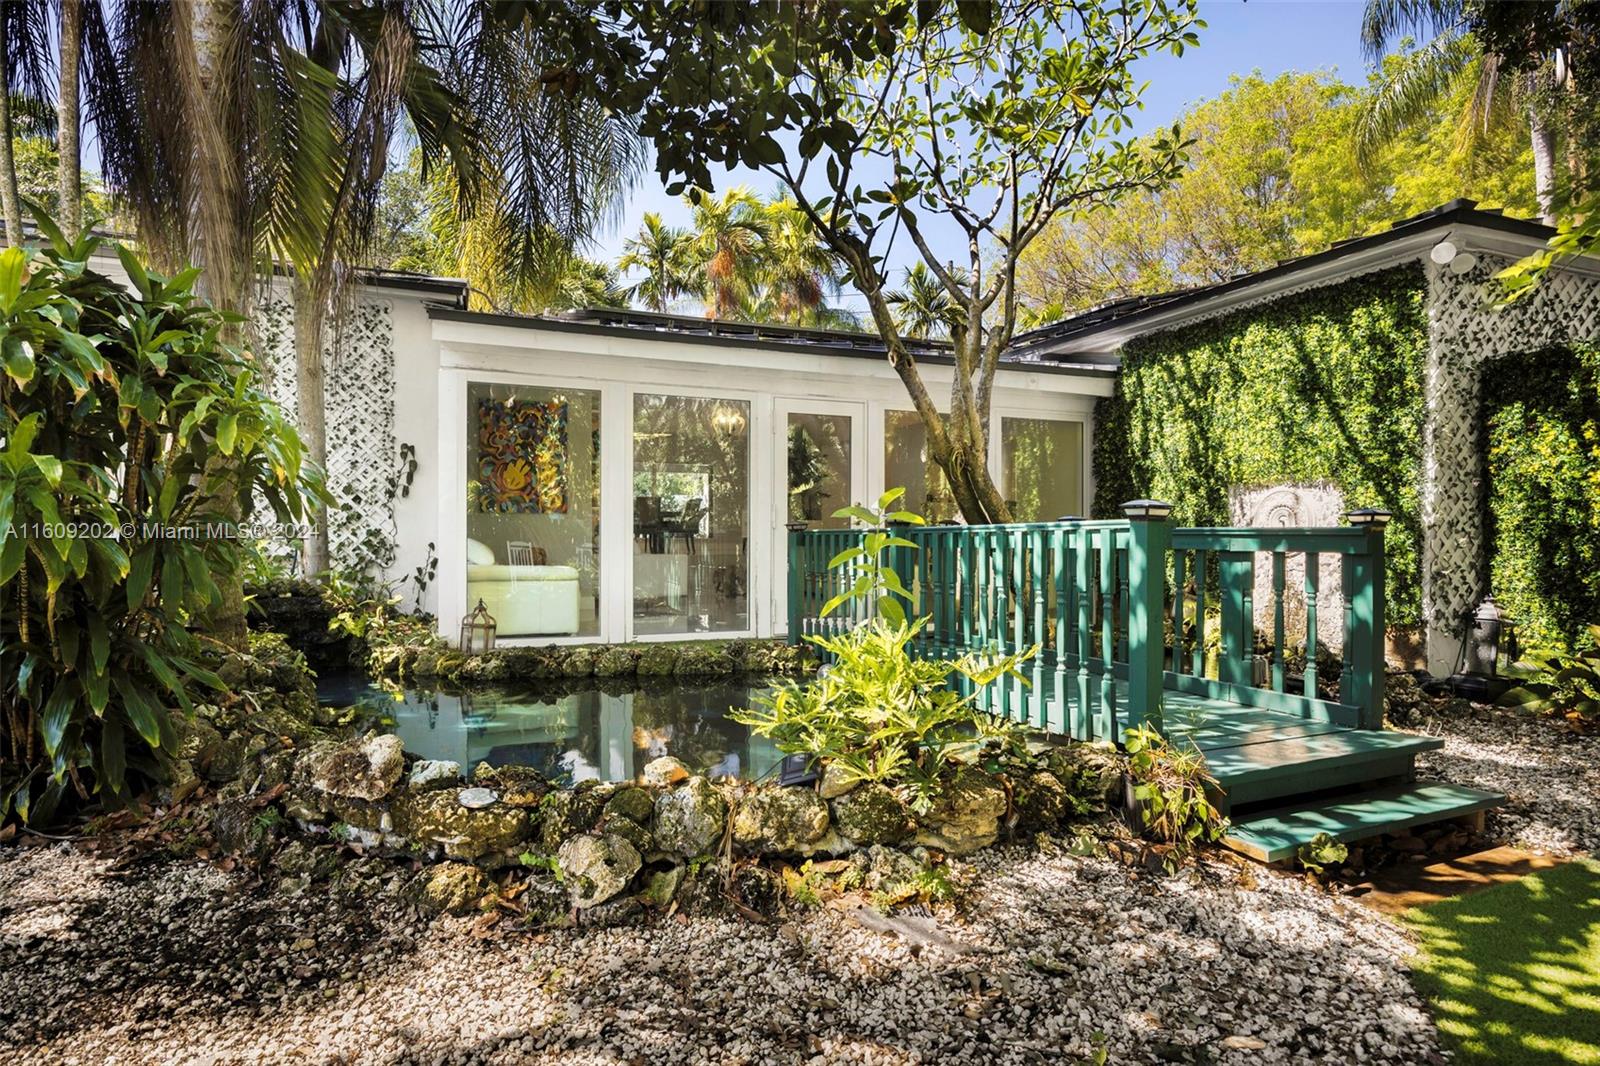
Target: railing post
{"type": "Point", "coordinates": [1364, 687]}
{"type": "Point", "coordinates": [1236, 572]}
{"type": "Point", "coordinates": [1148, 541]}
{"type": "Point", "coordinates": [797, 580]}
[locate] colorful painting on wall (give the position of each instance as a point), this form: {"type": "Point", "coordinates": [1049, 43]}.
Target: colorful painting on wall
{"type": "Point", "coordinates": [522, 457]}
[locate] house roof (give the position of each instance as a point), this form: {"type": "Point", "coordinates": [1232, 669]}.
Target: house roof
{"type": "Point", "coordinates": [725, 333]}
{"type": "Point", "coordinates": [1101, 330]}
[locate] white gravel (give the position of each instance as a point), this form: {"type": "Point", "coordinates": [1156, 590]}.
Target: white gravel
{"type": "Point", "coordinates": [1550, 775]}
{"type": "Point", "coordinates": [177, 962]}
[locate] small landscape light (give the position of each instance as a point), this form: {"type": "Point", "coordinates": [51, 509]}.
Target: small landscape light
{"type": "Point", "coordinates": [1369, 517]}
{"type": "Point", "coordinates": [1147, 509]}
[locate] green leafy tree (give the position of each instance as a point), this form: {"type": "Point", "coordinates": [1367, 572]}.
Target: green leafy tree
{"type": "Point", "coordinates": [131, 428]}
{"type": "Point", "coordinates": [798, 273]}
{"type": "Point", "coordinates": [992, 117]}
{"type": "Point", "coordinates": [1268, 178]}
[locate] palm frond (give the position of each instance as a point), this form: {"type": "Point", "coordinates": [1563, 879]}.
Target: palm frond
{"type": "Point", "coordinates": [1411, 92]}
{"type": "Point", "coordinates": [1385, 22]}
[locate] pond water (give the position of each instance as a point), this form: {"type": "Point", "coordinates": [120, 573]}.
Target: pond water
{"type": "Point", "coordinates": [572, 733]}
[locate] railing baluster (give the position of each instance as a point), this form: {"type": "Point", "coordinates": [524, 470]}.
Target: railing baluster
{"type": "Point", "coordinates": [1179, 576]}
{"type": "Point", "coordinates": [1278, 584]}
{"type": "Point", "coordinates": [1199, 656]}
{"type": "Point", "coordinates": [1122, 613]}
{"type": "Point", "coordinates": [1036, 697]}
{"type": "Point", "coordinates": [1108, 636]}
{"type": "Point", "coordinates": [1059, 583]}
{"type": "Point", "coordinates": [1313, 576]}
{"type": "Point", "coordinates": [1083, 717]}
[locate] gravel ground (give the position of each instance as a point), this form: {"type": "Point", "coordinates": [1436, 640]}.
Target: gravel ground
{"type": "Point", "coordinates": [176, 961]}
{"type": "Point", "coordinates": [1550, 775]}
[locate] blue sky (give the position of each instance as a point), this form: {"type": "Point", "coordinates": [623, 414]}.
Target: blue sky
{"type": "Point", "coordinates": [1272, 36]}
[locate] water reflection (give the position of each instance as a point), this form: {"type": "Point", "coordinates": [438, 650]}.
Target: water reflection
{"type": "Point", "coordinates": [576, 734]}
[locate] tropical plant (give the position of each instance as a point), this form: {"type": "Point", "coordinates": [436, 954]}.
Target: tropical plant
{"type": "Point", "coordinates": [882, 714]}
{"type": "Point", "coordinates": [729, 244]}
{"type": "Point", "coordinates": [1320, 852]}
{"type": "Point", "coordinates": [1558, 683]}
{"type": "Point", "coordinates": [798, 272]}
{"type": "Point", "coordinates": [1170, 786]}
{"type": "Point", "coordinates": [873, 581]}
{"type": "Point", "coordinates": [135, 436]}
{"type": "Point", "coordinates": [586, 283]}
{"type": "Point", "coordinates": [923, 308]}
{"type": "Point", "coordinates": [662, 253]}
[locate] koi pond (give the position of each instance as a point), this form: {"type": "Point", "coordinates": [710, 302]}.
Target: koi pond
{"type": "Point", "coordinates": [571, 733]}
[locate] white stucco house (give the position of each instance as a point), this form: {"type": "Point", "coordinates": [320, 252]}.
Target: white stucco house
{"type": "Point", "coordinates": [615, 476]}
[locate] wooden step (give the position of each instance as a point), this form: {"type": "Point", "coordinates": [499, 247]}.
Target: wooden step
{"type": "Point", "coordinates": [1274, 835]}
{"type": "Point", "coordinates": [1251, 773]}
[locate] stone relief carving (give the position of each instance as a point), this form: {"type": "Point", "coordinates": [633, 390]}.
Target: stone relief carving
{"type": "Point", "coordinates": [1290, 505]}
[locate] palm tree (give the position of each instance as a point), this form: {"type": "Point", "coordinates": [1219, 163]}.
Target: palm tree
{"type": "Point", "coordinates": [1418, 82]}
{"type": "Point", "coordinates": [586, 283]}
{"type": "Point", "coordinates": [663, 253]}
{"type": "Point", "coordinates": [729, 242]}
{"type": "Point", "coordinates": [924, 308]}
{"type": "Point", "coordinates": [797, 271]}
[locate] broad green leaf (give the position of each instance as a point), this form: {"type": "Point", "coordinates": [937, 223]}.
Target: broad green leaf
{"type": "Point", "coordinates": [57, 714]}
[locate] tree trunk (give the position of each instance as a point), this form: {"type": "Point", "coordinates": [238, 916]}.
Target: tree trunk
{"type": "Point", "coordinates": [222, 241]}
{"type": "Point", "coordinates": [310, 310]}
{"type": "Point", "coordinates": [70, 170]}
{"type": "Point", "coordinates": [10, 199]}
{"type": "Point", "coordinates": [1544, 166]}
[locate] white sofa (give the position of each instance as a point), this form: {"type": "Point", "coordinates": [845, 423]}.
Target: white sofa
{"type": "Point", "coordinates": [526, 601]}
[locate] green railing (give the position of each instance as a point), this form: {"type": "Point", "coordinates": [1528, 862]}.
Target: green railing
{"type": "Point", "coordinates": [1123, 612]}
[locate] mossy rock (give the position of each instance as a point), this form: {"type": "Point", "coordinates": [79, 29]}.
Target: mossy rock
{"type": "Point", "coordinates": [658, 660]}
{"type": "Point", "coordinates": [629, 830]}
{"type": "Point", "coordinates": [566, 813]}
{"type": "Point", "coordinates": [579, 661]}
{"type": "Point", "coordinates": [631, 802]}
{"type": "Point", "coordinates": [689, 820]}
{"type": "Point", "coordinates": [437, 818]}
{"type": "Point", "coordinates": [448, 888]}
{"type": "Point", "coordinates": [872, 814]}
{"type": "Point", "coordinates": [615, 660]}
{"type": "Point", "coordinates": [703, 659]}
{"type": "Point", "coordinates": [780, 820]}
{"type": "Point", "coordinates": [966, 814]}
{"type": "Point", "coordinates": [1042, 801]}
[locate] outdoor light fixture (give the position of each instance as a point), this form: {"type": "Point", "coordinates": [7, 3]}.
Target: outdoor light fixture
{"type": "Point", "coordinates": [1443, 252]}
{"type": "Point", "coordinates": [1147, 509]}
{"type": "Point", "coordinates": [1369, 516]}
{"type": "Point", "coordinates": [477, 631]}
{"type": "Point", "coordinates": [1488, 643]}
{"type": "Point", "coordinates": [1463, 262]}
{"type": "Point", "coordinates": [1070, 518]}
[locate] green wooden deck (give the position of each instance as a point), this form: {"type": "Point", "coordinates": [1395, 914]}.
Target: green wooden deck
{"type": "Point", "coordinates": [1136, 623]}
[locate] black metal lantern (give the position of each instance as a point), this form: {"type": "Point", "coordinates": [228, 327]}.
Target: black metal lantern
{"type": "Point", "coordinates": [477, 631]}
{"type": "Point", "coordinates": [1488, 644]}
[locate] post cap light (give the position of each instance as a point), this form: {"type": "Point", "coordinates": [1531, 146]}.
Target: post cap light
{"type": "Point", "coordinates": [1369, 517]}
{"type": "Point", "coordinates": [1147, 509]}
{"type": "Point", "coordinates": [796, 527]}
{"type": "Point", "coordinates": [1070, 518]}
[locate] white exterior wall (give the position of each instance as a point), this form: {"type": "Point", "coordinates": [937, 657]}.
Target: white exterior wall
{"type": "Point", "coordinates": [618, 366]}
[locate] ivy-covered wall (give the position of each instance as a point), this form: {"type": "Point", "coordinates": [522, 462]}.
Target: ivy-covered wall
{"type": "Point", "coordinates": [1324, 385]}
{"type": "Point", "coordinates": [1542, 418]}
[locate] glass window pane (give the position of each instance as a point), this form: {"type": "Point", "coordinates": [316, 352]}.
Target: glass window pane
{"type": "Point", "coordinates": [1042, 460]}
{"type": "Point", "coordinates": [691, 514]}
{"type": "Point", "coordinates": [819, 469]}
{"type": "Point", "coordinates": [906, 463]}
{"type": "Point", "coordinates": [533, 508]}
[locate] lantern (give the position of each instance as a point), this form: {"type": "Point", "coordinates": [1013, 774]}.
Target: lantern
{"type": "Point", "coordinates": [477, 631]}
{"type": "Point", "coordinates": [1147, 510]}
{"type": "Point", "coordinates": [1488, 637]}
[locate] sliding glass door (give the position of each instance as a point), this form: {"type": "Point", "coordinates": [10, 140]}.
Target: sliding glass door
{"type": "Point", "coordinates": [691, 515]}
{"type": "Point", "coordinates": [821, 467]}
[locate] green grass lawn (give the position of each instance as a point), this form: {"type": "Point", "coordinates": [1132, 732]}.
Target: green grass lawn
{"type": "Point", "coordinates": [1513, 972]}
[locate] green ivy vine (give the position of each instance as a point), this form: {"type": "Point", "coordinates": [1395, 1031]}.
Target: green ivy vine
{"type": "Point", "coordinates": [1321, 386]}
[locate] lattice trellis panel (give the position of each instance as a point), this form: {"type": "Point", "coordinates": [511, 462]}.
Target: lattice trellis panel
{"type": "Point", "coordinates": [359, 386]}
{"type": "Point", "coordinates": [1464, 332]}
